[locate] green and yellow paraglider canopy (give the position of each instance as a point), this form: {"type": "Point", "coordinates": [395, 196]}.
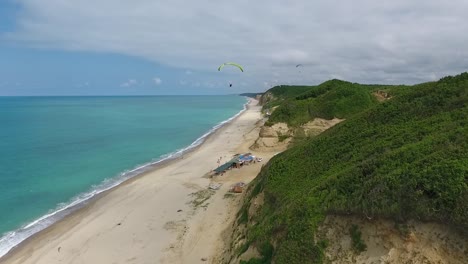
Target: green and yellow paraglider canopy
{"type": "Point", "coordinates": [232, 64]}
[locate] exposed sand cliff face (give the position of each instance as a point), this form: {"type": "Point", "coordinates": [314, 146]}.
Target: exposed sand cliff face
{"type": "Point", "coordinates": [265, 98]}
{"type": "Point", "coordinates": [389, 242]}
{"type": "Point", "coordinates": [274, 138]}
{"type": "Point", "coordinates": [318, 125]}
{"type": "Point", "coordinates": [278, 136]}
{"type": "Point", "coordinates": [381, 96]}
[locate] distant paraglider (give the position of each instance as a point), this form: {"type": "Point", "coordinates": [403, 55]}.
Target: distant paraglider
{"type": "Point", "coordinates": [299, 65]}
{"type": "Point", "coordinates": [232, 64]}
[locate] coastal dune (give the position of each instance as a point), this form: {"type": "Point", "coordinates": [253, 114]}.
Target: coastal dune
{"type": "Point", "coordinates": [167, 215]}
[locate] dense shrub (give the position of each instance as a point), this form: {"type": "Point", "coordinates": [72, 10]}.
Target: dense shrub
{"type": "Point", "coordinates": [330, 99]}
{"type": "Point", "coordinates": [405, 158]}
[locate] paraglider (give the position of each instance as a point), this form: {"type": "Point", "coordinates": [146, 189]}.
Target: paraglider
{"type": "Point", "coordinates": [299, 65]}
{"type": "Point", "coordinates": [232, 64]}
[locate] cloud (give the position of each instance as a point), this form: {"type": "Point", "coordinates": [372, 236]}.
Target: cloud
{"type": "Point", "coordinates": [188, 72]}
{"type": "Point", "coordinates": [129, 83]}
{"type": "Point", "coordinates": [363, 40]}
{"type": "Point", "coordinates": [290, 57]}
{"type": "Point", "coordinates": [157, 81]}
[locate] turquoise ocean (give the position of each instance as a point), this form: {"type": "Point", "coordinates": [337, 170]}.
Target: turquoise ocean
{"type": "Point", "coordinates": [58, 152]}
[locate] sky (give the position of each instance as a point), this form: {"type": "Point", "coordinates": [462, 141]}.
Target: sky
{"type": "Point", "coordinates": [151, 47]}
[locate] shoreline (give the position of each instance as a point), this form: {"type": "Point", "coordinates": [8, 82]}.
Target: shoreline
{"type": "Point", "coordinates": [76, 203]}
{"type": "Point", "coordinates": [74, 219]}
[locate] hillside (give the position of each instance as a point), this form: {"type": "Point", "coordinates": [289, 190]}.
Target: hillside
{"type": "Point", "coordinates": [402, 159]}
{"type": "Point", "coordinates": [334, 98]}
{"type": "Point", "coordinates": [251, 95]}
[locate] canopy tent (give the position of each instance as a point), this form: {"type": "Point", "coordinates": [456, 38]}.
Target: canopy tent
{"type": "Point", "coordinates": [238, 159]}
{"type": "Point", "coordinates": [226, 165]}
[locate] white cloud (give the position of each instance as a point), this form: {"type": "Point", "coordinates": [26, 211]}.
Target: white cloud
{"type": "Point", "coordinates": [188, 72]}
{"type": "Point", "coordinates": [157, 80]}
{"type": "Point", "coordinates": [362, 40]}
{"type": "Point", "coordinates": [290, 57]}
{"type": "Point", "coordinates": [129, 83]}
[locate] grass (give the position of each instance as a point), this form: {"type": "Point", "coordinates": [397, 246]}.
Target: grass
{"type": "Point", "coordinates": [201, 197]}
{"type": "Point", "coordinates": [357, 243]}
{"type": "Point", "coordinates": [331, 99]}
{"type": "Point", "coordinates": [405, 158]}
{"type": "Point", "coordinates": [403, 228]}
{"type": "Point", "coordinates": [282, 138]}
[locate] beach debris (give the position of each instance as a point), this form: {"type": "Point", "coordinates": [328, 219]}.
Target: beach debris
{"type": "Point", "coordinates": [180, 210]}
{"type": "Point", "coordinates": [204, 259]}
{"type": "Point", "coordinates": [58, 249]}
{"type": "Point", "coordinates": [237, 187]}
{"type": "Point", "coordinates": [240, 184]}
{"type": "Point", "coordinates": [214, 186]}
{"type": "Point", "coordinates": [119, 223]}
{"type": "Point", "coordinates": [229, 195]}
{"type": "Point", "coordinates": [201, 197]}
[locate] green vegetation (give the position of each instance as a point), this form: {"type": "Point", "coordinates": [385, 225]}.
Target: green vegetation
{"type": "Point", "coordinates": [292, 112]}
{"type": "Point", "coordinates": [201, 197]}
{"type": "Point", "coordinates": [288, 91]}
{"type": "Point", "coordinates": [330, 99]}
{"type": "Point", "coordinates": [403, 228]}
{"type": "Point", "coordinates": [266, 250]}
{"type": "Point", "coordinates": [405, 158]}
{"type": "Point", "coordinates": [282, 138]}
{"type": "Point", "coordinates": [282, 93]}
{"type": "Point", "coordinates": [356, 239]}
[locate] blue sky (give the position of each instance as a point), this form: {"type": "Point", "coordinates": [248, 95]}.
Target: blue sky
{"type": "Point", "coordinates": [109, 47]}
{"type": "Point", "coordinates": [30, 71]}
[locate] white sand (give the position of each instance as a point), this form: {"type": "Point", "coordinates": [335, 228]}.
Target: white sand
{"type": "Point", "coordinates": [139, 222]}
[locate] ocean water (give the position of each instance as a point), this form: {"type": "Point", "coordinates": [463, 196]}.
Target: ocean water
{"type": "Point", "coordinates": [57, 152]}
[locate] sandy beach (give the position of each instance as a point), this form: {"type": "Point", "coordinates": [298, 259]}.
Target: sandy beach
{"type": "Point", "coordinates": [165, 216]}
